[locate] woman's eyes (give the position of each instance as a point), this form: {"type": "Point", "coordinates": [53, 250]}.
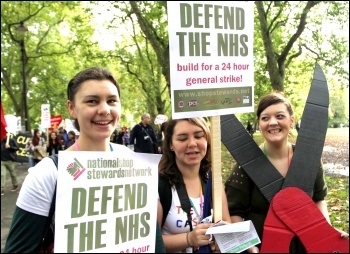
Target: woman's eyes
{"type": "Point", "coordinates": [266, 118]}
{"type": "Point", "coordinates": [113, 101]}
{"type": "Point", "coordinates": [196, 137]}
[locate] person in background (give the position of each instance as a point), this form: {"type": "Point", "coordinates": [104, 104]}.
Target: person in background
{"type": "Point", "coordinates": [113, 137]}
{"type": "Point", "coordinates": [160, 136]}
{"type": "Point", "coordinates": [143, 137]}
{"type": "Point", "coordinates": [245, 200]}
{"type": "Point", "coordinates": [63, 136]}
{"type": "Point", "coordinates": [186, 160]}
{"type": "Point", "coordinates": [120, 135]}
{"type": "Point", "coordinates": [71, 139]}
{"type": "Point", "coordinates": [8, 156]}
{"type": "Point", "coordinates": [33, 143]}
{"type": "Point", "coordinates": [54, 144]}
{"type": "Point", "coordinates": [126, 137]}
{"type": "Point", "coordinates": [94, 103]}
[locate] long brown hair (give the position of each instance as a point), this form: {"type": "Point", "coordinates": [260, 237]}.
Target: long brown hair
{"type": "Point", "coordinates": [35, 139]}
{"type": "Point", "coordinates": [57, 139]}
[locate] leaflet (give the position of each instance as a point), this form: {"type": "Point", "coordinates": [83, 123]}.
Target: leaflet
{"type": "Point", "coordinates": [234, 237]}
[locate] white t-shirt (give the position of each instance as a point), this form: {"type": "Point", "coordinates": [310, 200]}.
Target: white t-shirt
{"type": "Point", "coordinates": [175, 222]}
{"type": "Point", "coordinates": [39, 185]}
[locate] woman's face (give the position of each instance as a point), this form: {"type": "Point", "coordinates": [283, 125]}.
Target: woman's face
{"type": "Point", "coordinates": [70, 136]}
{"type": "Point", "coordinates": [38, 134]}
{"type": "Point", "coordinates": [275, 123]}
{"type": "Point", "coordinates": [53, 135]}
{"type": "Point", "coordinates": [189, 144]}
{"type": "Point", "coordinates": [97, 108]}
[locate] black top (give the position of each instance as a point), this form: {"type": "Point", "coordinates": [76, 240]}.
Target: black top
{"type": "Point", "coordinates": [9, 154]}
{"type": "Point", "coordinates": [143, 138]}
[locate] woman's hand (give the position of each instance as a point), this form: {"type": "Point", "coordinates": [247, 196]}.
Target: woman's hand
{"type": "Point", "coordinates": [197, 237]}
{"type": "Point", "coordinates": [343, 234]}
{"type": "Point", "coordinates": [253, 249]}
{"type": "Point", "coordinates": [214, 247]}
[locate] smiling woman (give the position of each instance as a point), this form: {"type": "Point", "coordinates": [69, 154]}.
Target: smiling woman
{"type": "Point", "coordinates": [94, 102]}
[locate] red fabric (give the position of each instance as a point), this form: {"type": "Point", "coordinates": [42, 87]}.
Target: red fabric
{"type": "Point", "coordinates": [3, 123]}
{"type": "Point", "coordinates": [293, 212]}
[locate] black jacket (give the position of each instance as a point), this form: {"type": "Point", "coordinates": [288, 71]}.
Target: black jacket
{"type": "Point", "coordinates": [9, 154]}
{"type": "Point", "coordinates": [143, 138]}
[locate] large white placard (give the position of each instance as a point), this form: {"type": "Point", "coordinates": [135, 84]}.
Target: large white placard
{"type": "Point", "coordinates": [106, 202]}
{"type": "Point", "coordinates": [211, 57]}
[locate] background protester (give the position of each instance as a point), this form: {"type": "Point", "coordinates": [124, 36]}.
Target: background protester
{"type": "Point", "coordinates": [126, 137]}
{"type": "Point", "coordinates": [71, 139]}
{"type": "Point", "coordinates": [160, 135]}
{"type": "Point", "coordinates": [143, 137]}
{"type": "Point", "coordinates": [37, 142]}
{"type": "Point", "coordinates": [63, 135]}
{"type": "Point", "coordinates": [120, 135]}
{"type": "Point", "coordinates": [94, 103]}
{"type": "Point", "coordinates": [54, 144]}
{"type": "Point", "coordinates": [9, 147]}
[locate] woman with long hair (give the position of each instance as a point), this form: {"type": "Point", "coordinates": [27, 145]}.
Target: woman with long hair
{"type": "Point", "coordinates": [32, 145]}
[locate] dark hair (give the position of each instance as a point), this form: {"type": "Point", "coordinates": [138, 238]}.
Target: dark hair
{"type": "Point", "coordinates": [73, 133]}
{"type": "Point", "coordinates": [163, 126]}
{"type": "Point", "coordinates": [272, 99]}
{"type": "Point", "coordinates": [167, 166]}
{"type": "Point", "coordinates": [57, 139]}
{"type": "Point", "coordinates": [35, 139]}
{"type": "Point", "coordinates": [94, 73]}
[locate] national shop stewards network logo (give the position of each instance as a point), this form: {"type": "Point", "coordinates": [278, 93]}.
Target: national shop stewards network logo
{"type": "Point", "coordinates": [75, 169]}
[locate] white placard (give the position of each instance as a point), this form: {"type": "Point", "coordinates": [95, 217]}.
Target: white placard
{"type": "Point", "coordinates": [69, 126]}
{"type": "Point", "coordinates": [106, 202]}
{"type": "Point", "coordinates": [211, 57]}
{"type": "Point", "coordinates": [45, 116]}
{"type": "Point", "coordinates": [11, 121]}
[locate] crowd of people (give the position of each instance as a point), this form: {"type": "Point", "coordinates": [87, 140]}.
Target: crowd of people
{"type": "Point", "coordinates": [184, 167]}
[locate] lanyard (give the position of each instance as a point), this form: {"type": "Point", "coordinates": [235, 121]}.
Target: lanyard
{"type": "Point", "coordinates": [76, 145]}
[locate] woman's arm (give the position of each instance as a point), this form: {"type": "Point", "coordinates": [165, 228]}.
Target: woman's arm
{"type": "Point", "coordinates": [322, 205]}
{"type": "Point", "coordinates": [26, 232]}
{"type": "Point", "coordinates": [178, 242]}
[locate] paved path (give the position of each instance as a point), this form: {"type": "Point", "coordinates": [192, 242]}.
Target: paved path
{"type": "Point", "coordinates": [8, 201]}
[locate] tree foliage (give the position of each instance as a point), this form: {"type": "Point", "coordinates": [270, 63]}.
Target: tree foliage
{"type": "Point", "coordinates": [55, 43]}
{"type": "Point", "coordinates": [289, 37]}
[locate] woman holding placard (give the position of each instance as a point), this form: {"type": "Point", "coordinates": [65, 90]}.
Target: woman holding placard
{"type": "Point", "coordinates": [94, 104]}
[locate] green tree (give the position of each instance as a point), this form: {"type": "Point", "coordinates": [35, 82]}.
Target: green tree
{"type": "Point", "coordinates": [281, 30]}
{"type": "Point", "coordinates": [56, 33]}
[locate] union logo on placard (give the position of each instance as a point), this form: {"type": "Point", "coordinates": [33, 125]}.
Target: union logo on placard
{"type": "Point", "coordinates": [193, 103]}
{"type": "Point", "coordinates": [75, 169]}
{"type": "Point", "coordinates": [181, 104]}
{"type": "Point", "coordinates": [226, 101]}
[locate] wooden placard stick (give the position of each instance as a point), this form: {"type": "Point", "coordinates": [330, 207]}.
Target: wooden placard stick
{"type": "Point", "coordinates": [215, 130]}
{"type": "Point", "coordinates": [8, 134]}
